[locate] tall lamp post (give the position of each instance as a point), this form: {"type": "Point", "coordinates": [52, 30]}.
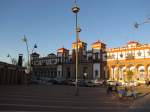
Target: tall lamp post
{"type": "Point", "coordinates": [75, 10]}
{"type": "Point", "coordinates": [28, 54]}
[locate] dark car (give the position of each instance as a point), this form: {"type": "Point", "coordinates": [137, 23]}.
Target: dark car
{"type": "Point", "coordinates": [82, 83]}
{"type": "Point", "coordinates": [53, 81]}
{"type": "Point", "coordinates": [34, 82]}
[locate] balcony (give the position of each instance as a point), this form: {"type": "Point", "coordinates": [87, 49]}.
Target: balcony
{"type": "Point", "coordinates": [129, 57]}
{"type": "Point", "coordinates": [96, 60]}
{"type": "Point", "coordinates": [110, 57]}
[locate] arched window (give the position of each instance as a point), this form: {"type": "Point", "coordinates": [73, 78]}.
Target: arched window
{"type": "Point", "coordinates": [96, 73]}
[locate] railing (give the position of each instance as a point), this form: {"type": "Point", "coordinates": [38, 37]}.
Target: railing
{"type": "Point", "coordinates": [129, 56]}
{"type": "Point", "coordinates": [110, 57]}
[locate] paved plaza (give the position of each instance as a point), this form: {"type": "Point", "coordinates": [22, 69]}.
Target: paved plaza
{"type": "Point", "coordinates": [59, 98]}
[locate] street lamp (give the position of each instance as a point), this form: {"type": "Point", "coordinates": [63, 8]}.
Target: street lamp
{"type": "Point", "coordinates": [136, 25]}
{"type": "Point", "coordinates": [9, 56]}
{"type": "Point", "coordinates": [13, 60]}
{"type": "Point", "coordinates": [75, 10]}
{"type": "Point", "coordinates": [28, 54]}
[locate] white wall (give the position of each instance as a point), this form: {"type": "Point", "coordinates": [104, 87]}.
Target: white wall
{"type": "Point", "coordinates": [96, 50]}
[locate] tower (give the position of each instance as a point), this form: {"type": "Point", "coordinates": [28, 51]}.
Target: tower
{"type": "Point", "coordinates": [62, 58]}
{"type": "Point", "coordinates": [82, 51]}
{"type": "Point", "coordinates": [98, 48]}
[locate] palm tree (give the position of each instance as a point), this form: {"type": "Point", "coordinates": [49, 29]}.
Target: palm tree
{"type": "Point", "coordinates": [129, 75]}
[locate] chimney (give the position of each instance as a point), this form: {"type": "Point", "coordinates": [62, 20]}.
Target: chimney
{"type": "Point", "coordinates": [20, 60]}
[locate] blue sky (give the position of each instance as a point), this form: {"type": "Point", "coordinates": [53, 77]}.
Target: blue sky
{"type": "Point", "coordinates": [51, 24]}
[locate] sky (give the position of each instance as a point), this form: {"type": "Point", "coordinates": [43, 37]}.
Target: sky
{"type": "Point", "coordinates": [51, 24]}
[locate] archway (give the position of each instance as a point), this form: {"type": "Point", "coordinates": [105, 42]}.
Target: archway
{"type": "Point", "coordinates": [113, 72]}
{"type": "Point", "coordinates": [141, 72]}
{"type": "Point", "coordinates": [148, 72]}
{"type": "Point", "coordinates": [131, 68]}
{"type": "Point", "coordinates": [121, 72]}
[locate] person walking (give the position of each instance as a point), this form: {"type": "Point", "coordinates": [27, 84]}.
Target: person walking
{"type": "Point", "coordinates": [109, 89]}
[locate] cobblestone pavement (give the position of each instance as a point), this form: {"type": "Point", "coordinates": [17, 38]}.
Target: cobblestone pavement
{"type": "Point", "coordinates": [59, 98]}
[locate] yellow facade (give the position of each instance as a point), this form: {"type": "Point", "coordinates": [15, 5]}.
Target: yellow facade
{"type": "Point", "coordinates": [133, 57]}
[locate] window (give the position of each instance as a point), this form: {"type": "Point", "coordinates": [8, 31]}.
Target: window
{"type": "Point", "coordinates": [148, 52]}
{"type": "Point", "coordinates": [130, 56]}
{"type": "Point", "coordinates": [90, 58]}
{"type": "Point", "coordinates": [105, 55]}
{"type": "Point", "coordinates": [121, 55]}
{"type": "Point", "coordinates": [96, 56]}
{"type": "Point", "coordinates": [96, 73]}
{"type": "Point", "coordinates": [139, 53]}
{"type": "Point", "coordinates": [43, 63]}
{"type": "Point", "coordinates": [142, 74]}
{"type": "Point", "coordinates": [59, 73]}
{"type": "Point", "coordinates": [68, 73]}
{"type": "Point", "coordinates": [113, 55]}
{"type": "Point", "coordinates": [53, 61]}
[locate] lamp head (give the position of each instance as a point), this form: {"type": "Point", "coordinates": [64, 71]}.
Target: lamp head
{"type": "Point", "coordinates": [78, 29]}
{"type": "Point", "coordinates": [136, 25]}
{"type": "Point", "coordinates": [75, 9]}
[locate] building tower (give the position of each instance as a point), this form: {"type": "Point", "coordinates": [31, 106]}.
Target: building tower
{"type": "Point", "coordinates": [82, 51]}
{"type": "Point", "coordinates": [98, 48]}
{"type": "Point", "coordinates": [62, 58]}
{"type": "Point", "coordinates": [82, 55]}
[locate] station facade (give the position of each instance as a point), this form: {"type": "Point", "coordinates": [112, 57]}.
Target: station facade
{"type": "Point", "coordinates": [62, 64]}
{"type": "Point", "coordinates": [134, 57]}
{"type": "Point", "coordinates": [97, 63]}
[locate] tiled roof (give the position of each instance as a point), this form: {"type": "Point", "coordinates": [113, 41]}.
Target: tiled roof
{"type": "Point", "coordinates": [62, 49]}
{"type": "Point", "coordinates": [132, 42]}
{"type": "Point", "coordinates": [97, 42]}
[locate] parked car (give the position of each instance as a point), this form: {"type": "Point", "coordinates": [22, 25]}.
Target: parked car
{"type": "Point", "coordinates": [66, 82]}
{"type": "Point", "coordinates": [134, 83]}
{"type": "Point", "coordinates": [49, 83]}
{"type": "Point", "coordinates": [90, 84]}
{"type": "Point", "coordinates": [53, 81]}
{"type": "Point", "coordinates": [73, 83]}
{"type": "Point", "coordinates": [141, 81]}
{"type": "Point", "coordinates": [97, 83]}
{"type": "Point", "coordinates": [111, 82]}
{"type": "Point", "coordinates": [130, 83]}
{"type": "Point", "coordinates": [34, 82]}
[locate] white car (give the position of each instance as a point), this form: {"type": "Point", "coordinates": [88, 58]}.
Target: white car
{"type": "Point", "coordinates": [134, 83]}
{"type": "Point", "coordinates": [111, 82]}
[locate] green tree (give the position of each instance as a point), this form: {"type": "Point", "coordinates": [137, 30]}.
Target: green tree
{"type": "Point", "coordinates": [129, 75]}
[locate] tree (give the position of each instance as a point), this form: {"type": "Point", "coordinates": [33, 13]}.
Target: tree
{"type": "Point", "coordinates": [129, 75]}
